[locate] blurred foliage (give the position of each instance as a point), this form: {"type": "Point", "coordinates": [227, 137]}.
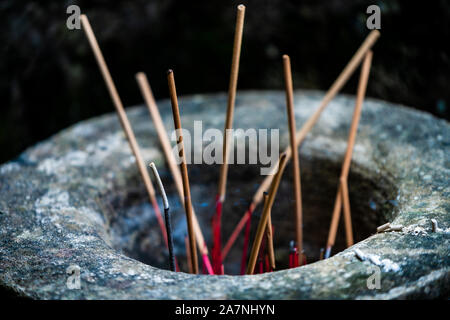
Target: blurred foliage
{"type": "Point", "coordinates": [49, 78]}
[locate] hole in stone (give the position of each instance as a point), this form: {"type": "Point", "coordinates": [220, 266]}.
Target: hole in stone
{"type": "Point", "coordinates": [135, 232]}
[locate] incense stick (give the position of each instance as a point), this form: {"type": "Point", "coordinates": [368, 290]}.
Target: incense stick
{"type": "Point", "coordinates": [244, 221]}
{"type": "Point", "coordinates": [301, 134]}
{"type": "Point", "coordinates": [231, 97]}
{"type": "Point", "coordinates": [262, 247]}
{"type": "Point", "coordinates": [246, 242]}
{"type": "Point", "coordinates": [259, 267]}
{"type": "Point", "coordinates": [184, 172]}
{"type": "Point", "coordinates": [347, 213]}
{"type": "Point", "coordinates": [269, 235]}
{"type": "Point", "coordinates": [268, 267]}
{"type": "Point", "coordinates": [170, 158]}
{"type": "Point", "coordinates": [264, 217]}
{"type": "Point", "coordinates": [295, 160]}
{"type": "Point", "coordinates": [342, 194]}
{"type": "Point", "coordinates": [167, 217]}
{"type": "Point", "coordinates": [217, 245]}
{"type": "Point", "coordinates": [123, 120]}
{"type": "Point", "coordinates": [261, 254]}
{"type": "Point", "coordinates": [293, 255]}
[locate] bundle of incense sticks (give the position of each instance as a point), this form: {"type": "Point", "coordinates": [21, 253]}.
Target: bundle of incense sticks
{"type": "Point", "coordinates": [301, 134]}
{"type": "Point", "coordinates": [124, 121]}
{"type": "Point", "coordinates": [342, 194]}
{"type": "Point", "coordinates": [262, 256]}
{"type": "Point", "coordinates": [265, 214]}
{"type": "Point", "coordinates": [170, 158]}
{"type": "Point", "coordinates": [268, 258]}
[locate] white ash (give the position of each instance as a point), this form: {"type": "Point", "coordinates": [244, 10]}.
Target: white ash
{"type": "Point", "coordinates": [386, 264]}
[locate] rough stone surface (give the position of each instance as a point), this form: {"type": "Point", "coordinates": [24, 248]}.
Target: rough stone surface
{"type": "Point", "coordinates": [51, 216]}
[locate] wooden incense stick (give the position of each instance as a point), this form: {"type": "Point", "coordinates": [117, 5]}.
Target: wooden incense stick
{"type": "Point", "coordinates": [265, 215]}
{"type": "Point", "coordinates": [123, 120]}
{"type": "Point", "coordinates": [217, 244]}
{"type": "Point", "coordinates": [347, 212]}
{"type": "Point", "coordinates": [259, 268]}
{"type": "Point", "coordinates": [146, 92]}
{"type": "Point", "coordinates": [295, 160]}
{"type": "Point", "coordinates": [231, 97]}
{"type": "Point", "coordinates": [269, 235]}
{"type": "Point", "coordinates": [342, 194]}
{"type": "Point", "coordinates": [301, 134]}
{"type": "Point", "coordinates": [166, 216]}
{"type": "Point", "coordinates": [184, 172]}
{"type": "Point", "coordinates": [246, 241]}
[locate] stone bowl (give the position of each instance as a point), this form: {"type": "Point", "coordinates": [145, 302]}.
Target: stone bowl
{"type": "Point", "coordinates": [75, 222]}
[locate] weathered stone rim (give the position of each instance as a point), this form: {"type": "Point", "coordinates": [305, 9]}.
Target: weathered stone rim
{"type": "Point", "coordinates": [343, 276]}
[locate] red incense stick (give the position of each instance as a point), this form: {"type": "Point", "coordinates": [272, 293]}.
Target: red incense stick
{"type": "Point", "coordinates": [237, 230]}
{"type": "Point", "coordinates": [216, 251]}
{"type": "Point", "coordinates": [301, 134]}
{"type": "Point", "coordinates": [246, 242]}
{"type": "Point", "coordinates": [217, 246]}
{"type": "Point", "coordinates": [293, 255]}
{"type": "Point", "coordinates": [267, 264]}
{"type": "Point", "coordinates": [207, 263]}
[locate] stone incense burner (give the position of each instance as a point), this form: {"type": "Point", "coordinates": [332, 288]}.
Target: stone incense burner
{"type": "Point", "coordinates": [76, 199]}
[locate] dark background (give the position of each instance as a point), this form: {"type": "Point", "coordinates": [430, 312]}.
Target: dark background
{"type": "Point", "coordinates": [49, 78]}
